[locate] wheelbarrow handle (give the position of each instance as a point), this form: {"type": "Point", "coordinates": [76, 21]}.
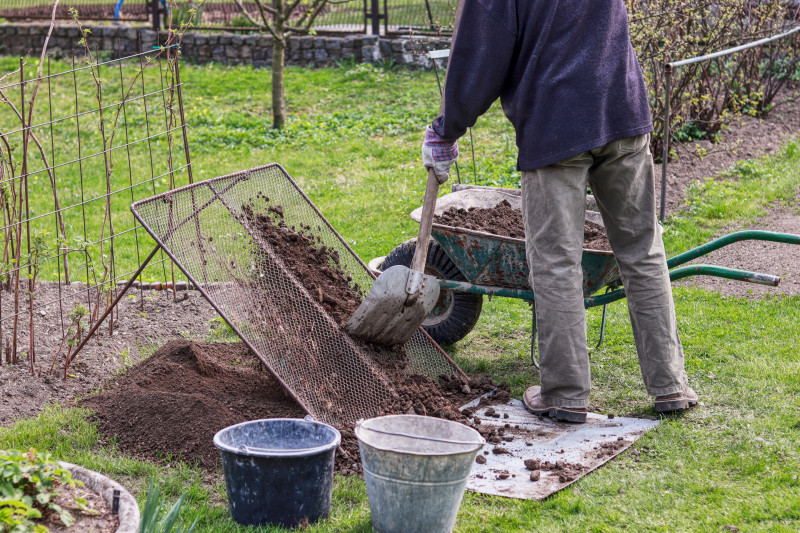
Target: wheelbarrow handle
{"type": "Point", "coordinates": [716, 244]}
{"type": "Point", "coordinates": [415, 279]}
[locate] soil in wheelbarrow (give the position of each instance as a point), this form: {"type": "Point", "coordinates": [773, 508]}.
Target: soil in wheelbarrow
{"type": "Point", "coordinates": [170, 405]}
{"type": "Point", "coordinates": [506, 221]}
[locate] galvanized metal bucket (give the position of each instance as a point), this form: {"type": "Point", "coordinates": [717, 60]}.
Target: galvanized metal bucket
{"type": "Point", "coordinates": [416, 469]}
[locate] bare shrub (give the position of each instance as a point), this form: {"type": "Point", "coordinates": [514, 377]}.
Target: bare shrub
{"type": "Point", "coordinates": [705, 95]}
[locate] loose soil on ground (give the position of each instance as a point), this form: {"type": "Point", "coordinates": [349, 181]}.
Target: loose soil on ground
{"type": "Point", "coordinates": [170, 405]}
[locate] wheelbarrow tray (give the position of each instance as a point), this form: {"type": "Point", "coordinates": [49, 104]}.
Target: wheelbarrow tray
{"type": "Point", "coordinates": [495, 260]}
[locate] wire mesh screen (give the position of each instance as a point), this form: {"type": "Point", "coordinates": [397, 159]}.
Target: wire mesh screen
{"type": "Point", "coordinates": [210, 231]}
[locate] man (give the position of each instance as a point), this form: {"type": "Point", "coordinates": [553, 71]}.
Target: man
{"type": "Point", "coordinates": [570, 83]}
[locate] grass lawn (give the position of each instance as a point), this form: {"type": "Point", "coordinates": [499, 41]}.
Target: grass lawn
{"type": "Point", "coordinates": [352, 142]}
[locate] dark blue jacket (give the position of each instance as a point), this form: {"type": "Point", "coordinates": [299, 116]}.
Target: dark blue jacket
{"type": "Point", "coordinates": [564, 70]}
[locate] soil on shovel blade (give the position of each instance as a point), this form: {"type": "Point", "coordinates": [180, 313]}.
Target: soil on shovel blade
{"type": "Point", "coordinates": [171, 404]}
{"type": "Point", "coordinates": [506, 221]}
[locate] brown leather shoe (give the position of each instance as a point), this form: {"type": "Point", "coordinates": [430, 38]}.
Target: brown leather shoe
{"type": "Point", "coordinates": [678, 401]}
{"type": "Point", "coordinates": [533, 403]}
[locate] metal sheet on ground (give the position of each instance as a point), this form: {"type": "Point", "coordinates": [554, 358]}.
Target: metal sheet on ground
{"type": "Point", "coordinates": [566, 452]}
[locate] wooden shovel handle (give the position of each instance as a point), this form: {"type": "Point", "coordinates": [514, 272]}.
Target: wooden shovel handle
{"type": "Point", "coordinates": [425, 222]}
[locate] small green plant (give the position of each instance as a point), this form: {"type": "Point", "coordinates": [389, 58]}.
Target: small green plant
{"type": "Point", "coordinates": [152, 522]}
{"type": "Point", "coordinates": [221, 331]}
{"type": "Point", "coordinates": [185, 14]}
{"type": "Point", "coordinates": [240, 21]}
{"type": "Point", "coordinates": [29, 482]}
{"type": "Point", "coordinates": [690, 131]}
{"type": "Point", "coordinates": [126, 358]}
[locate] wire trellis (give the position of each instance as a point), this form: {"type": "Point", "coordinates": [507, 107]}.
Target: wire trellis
{"type": "Point", "coordinates": [80, 140]}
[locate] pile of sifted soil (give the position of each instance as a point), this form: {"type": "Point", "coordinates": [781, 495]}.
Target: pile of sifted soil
{"type": "Point", "coordinates": [172, 404]}
{"type": "Point", "coordinates": [506, 221]}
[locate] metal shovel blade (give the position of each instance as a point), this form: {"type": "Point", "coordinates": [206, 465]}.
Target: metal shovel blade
{"type": "Point", "coordinates": [389, 315]}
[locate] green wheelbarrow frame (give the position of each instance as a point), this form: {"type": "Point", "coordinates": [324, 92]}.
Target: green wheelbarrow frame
{"type": "Point", "coordinates": [675, 274]}
{"type": "Point", "coordinates": [496, 266]}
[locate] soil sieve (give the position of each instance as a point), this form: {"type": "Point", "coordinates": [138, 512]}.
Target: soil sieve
{"type": "Point", "coordinates": [208, 230]}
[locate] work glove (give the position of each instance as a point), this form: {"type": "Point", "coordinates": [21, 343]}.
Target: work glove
{"type": "Point", "coordinates": [439, 154]}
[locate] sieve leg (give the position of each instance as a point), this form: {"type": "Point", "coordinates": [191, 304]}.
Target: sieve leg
{"type": "Point", "coordinates": [115, 302]}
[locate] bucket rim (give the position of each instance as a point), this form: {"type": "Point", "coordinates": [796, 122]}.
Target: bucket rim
{"type": "Point", "coordinates": [252, 451]}
{"type": "Point", "coordinates": [476, 445]}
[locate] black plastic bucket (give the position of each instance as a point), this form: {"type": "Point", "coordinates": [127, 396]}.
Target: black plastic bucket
{"type": "Point", "coordinates": [279, 470]}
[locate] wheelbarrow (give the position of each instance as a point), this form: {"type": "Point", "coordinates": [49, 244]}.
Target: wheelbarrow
{"type": "Point", "coordinates": [472, 264]}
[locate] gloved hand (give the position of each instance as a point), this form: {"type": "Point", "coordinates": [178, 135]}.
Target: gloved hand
{"type": "Point", "coordinates": [438, 154]}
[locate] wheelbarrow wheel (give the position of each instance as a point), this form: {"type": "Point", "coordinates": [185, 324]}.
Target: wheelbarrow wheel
{"type": "Point", "coordinates": [455, 313]}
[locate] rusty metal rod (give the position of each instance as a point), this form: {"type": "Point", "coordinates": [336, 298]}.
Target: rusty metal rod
{"type": "Point", "coordinates": [111, 307]}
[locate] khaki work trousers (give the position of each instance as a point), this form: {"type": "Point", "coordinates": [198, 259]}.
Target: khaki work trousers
{"type": "Point", "coordinates": [620, 175]}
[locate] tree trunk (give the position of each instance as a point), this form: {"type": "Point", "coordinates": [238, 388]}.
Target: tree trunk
{"type": "Point", "coordinates": [278, 59]}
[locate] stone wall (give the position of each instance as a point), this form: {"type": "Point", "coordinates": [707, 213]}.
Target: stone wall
{"type": "Point", "coordinates": [227, 48]}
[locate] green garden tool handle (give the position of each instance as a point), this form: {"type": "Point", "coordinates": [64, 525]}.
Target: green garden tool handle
{"type": "Point", "coordinates": [417, 274]}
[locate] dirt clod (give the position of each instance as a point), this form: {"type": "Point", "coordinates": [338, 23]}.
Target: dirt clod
{"type": "Point", "coordinates": [532, 464]}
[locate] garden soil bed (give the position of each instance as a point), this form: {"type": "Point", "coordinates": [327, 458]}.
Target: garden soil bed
{"type": "Point", "coordinates": [98, 518]}
{"type": "Point", "coordinates": [146, 320]}
{"type": "Point", "coordinates": [744, 138]}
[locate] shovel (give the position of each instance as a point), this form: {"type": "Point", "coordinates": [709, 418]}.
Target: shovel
{"type": "Point", "coordinates": [401, 298]}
